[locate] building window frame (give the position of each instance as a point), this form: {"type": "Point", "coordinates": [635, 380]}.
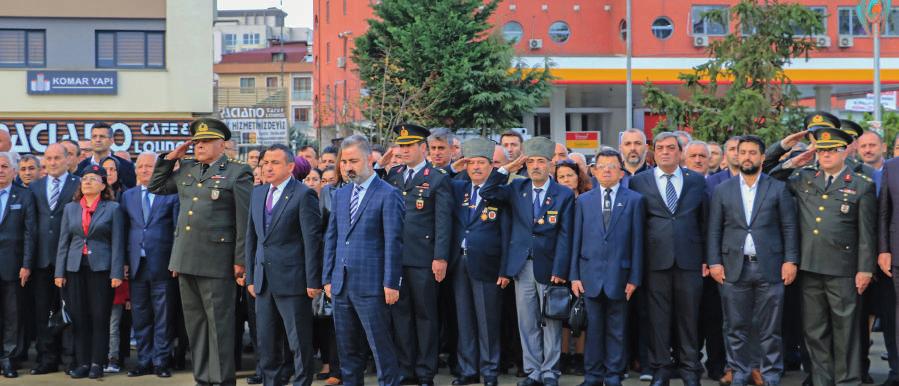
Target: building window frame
{"type": "Point", "coordinates": [251, 39]}
{"type": "Point", "coordinates": [26, 49]}
{"type": "Point", "coordinates": [512, 36]}
{"type": "Point", "coordinates": [115, 50]}
{"type": "Point", "coordinates": [228, 48]}
{"type": "Point", "coordinates": [855, 28]}
{"type": "Point", "coordinates": [658, 30]}
{"type": "Point", "coordinates": [555, 34]}
{"type": "Point", "coordinates": [815, 8]}
{"type": "Point", "coordinates": [247, 85]}
{"type": "Point", "coordinates": [705, 23]}
{"type": "Point", "coordinates": [622, 30]}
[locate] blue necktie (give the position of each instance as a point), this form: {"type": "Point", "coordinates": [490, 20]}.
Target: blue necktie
{"type": "Point", "coordinates": [146, 206]}
{"type": "Point", "coordinates": [473, 203]}
{"type": "Point", "coordinates": [3, 206]}
{"type": "Point", "coordinates": [670, 194]}
{"type": "Point", "coordinates": [354, 203]}
{"type": "Point", "coordinates": [537, 205]}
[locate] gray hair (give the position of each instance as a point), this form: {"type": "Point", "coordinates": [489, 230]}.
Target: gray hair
{"type": "Point", "coordinates": [704, 145]}
{"type": "Point", "coordinates": [681, 133]}
{"type": "Point", "coordinates": [665, 135]}
{"type": "Point", "coordinates": [441, 134]}
{"type": "Point", "coordinates": [505, 152]}
{"type": "Point", "coordinates": [359, 142]}
{"type": "Point", "coordinates": [12, 157]}
{"type": "Point", "coordinates": [148, 153]}
{"type": "Point", "coordinates": [31, 157]}
{"type": "Point", "coordinates": [575, 154]}
{"type": "Point", "coordinates": [636, 131]}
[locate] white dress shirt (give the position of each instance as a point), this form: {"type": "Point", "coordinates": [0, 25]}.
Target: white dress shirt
{"type": "Point", "coordinates": [278, 191]}
{"type": "Point", "coordinates": [662, 181]}
{"type": "Point", "coordinates": [748, 194]}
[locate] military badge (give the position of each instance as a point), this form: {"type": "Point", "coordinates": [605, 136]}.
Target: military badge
{"type": "Point", "coordinates": [540, 221]}
{"type": "Point", "coordinates": [215, 194]}
{"type": "Point", "coordinates": [552, 219]}
{"type": "Point", "coordinates": [847, 177]}
{"type": "Point", "coordinates": [419, 204]}
{"type": "Point", "coordinates": [491, 215]}
{"type": "Point", "coordinates": [825, 136]}
{"type": "Point", "coordinates": [817, 119]}
{"type": "Point", "coordinates": [844, 209]}
{"type": "Point", "coordinates": [484, 216]}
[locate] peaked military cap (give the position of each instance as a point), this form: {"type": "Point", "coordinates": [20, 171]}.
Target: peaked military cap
{"type": "Point", "coordinates": [209, 128]}
{"type": "Point", "coordinates": [829, 137]}
{"type": "Point", "coordinates": [539, 147]}
{"type": "Point", "coordinates": [821, 119]}
{"type": "Point", "coordinates": [478, 147]}
{"type": "Point", "coordinates": [851, 128]}
{"type": "Point", "coordinates": [408, 133]}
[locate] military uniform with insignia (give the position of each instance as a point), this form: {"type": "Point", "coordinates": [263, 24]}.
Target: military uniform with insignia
{"type": "Point", "coordinates": [837, 224]}
{"type": "Point", "coordinates": [427, 232]}
{"type": "Point", "coordinates": [209, 243]}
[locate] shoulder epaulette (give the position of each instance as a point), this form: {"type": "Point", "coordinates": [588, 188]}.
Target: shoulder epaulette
{"type": "Point", "coordinates": [442, 170]}
{"type": "Point", "coordinates": [863, 176]}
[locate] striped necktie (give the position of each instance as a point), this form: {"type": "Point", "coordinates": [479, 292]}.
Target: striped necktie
{"type": "Point", "coordinates": [354, 202]}
{"type": "Point", "coordinates": [670, 194]}
{"type": "Point", "coordinates": [54, 193]}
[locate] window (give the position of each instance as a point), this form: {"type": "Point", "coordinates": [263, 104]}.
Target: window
{"type": "Point", "coordinates": [662, 28]}
{"type": "Point", "coordinates": [250, 39]}
{"type": "Point", "coordinates": [278, 57]}
{"type": "Point", "coordinates": [705, 25]}
{"type": "Point", "coordinates": [512, 32]}
{"type": "Point", "coordinates": [622, 29]}
{"type": "Point", "coordinates": [22, 48]}
{"type": "Point", "coordinates": [301, 114]}
{"type": "Point", "coordinates": [822, 29]}
{"type": "Point", "coordinates": [849, 24]}
{"type": "Point", "coordinates": [229, 42]}
{"type": "Point", "coordinates": [302, 84]}
{"type": "Point", "coordinates": [328, 52]}
{"type": "Point", "coordinates": [130, 49]}
{"type": "Point", "coordinates": [559, 32]}
{"type": "Point", "coordinates": [344, 7]}
{"type": "Point", "coordinates": [271, 82]}
{"type": "Point", "coordinates": [891, 24]}
{"type": "Point", "coordinates": [327, 11]}
{"type": "Point", "coordinates": [247, 85]}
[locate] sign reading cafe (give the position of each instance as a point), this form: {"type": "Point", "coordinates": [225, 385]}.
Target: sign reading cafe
{"type": "Point", "coordinates": [132, 135]}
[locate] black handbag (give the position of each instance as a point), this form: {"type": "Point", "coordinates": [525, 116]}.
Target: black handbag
{"type": "Point", "coordinates": [556, 302]}
{"type": "Point", "coordinates": [577, 318]}
{"type": "Point", "coordinates": [59, 319]}
{"type": "Point", "coordinates": [322, 307]}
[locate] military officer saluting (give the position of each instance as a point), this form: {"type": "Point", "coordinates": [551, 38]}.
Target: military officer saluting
{"type": "Point", "coordinates": [208, 252]}
{"type": "Point", "coordinates": [427, 234]}
{"type": "Point", "coordinates": [837, 220]}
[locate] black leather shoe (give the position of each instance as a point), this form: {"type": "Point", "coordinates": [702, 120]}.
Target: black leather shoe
{"type": "Point", "coordinates": [807, 381]}
{"type": "Point", "coordinates": [9, 371]}
{"type": "Point", "coordinates": [659, 381]}
{"type": "Point", "coordinates": [322, 376]}
{"type": "Point", "coordinates": [491, 382]}
{"type": "Point", "coordinates": [529, 382]}
{"type": "Point", "coordinates": [163, 372]}
{"type": "Point", "coordinates": [95, 372]}
{"type": "Point", "coordinates": [462, 381]}
{"type": "Point", "coordinates": [550, 382]}
{"type": "Point", "coordinates": [80, 372]}
{"type": "Point", "coordinates": [867, 380]}
{"type": "Point", "coordinates": [254, 380]}
{"type": "Point", "coordinates": [44, 369]}
{"type": "Point", "coordinates": [140, 371]}
{"type": "Point", "coordinates": [409, 381]}
{"type": "Point", "coordinates": [520, 373]}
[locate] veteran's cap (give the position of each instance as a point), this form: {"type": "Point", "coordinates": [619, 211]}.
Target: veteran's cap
{"type": "Point", "coordinates": [408, 133]}
{"type": "Point", "coordinates": [209, 128]}
{"type": "Point", "coordinates": [478, 147]}
{"type": "Point", "coordinates": [539, 147]}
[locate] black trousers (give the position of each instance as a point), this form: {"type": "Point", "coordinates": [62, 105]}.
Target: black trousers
{"type": "Point", "coordinates": [416, 325]}
{"type": "Point", "coordinates": [12, 336]}
{"type": "Point", "coordinates": [674, 297]}
{"type": "Point", "coordinates": [46, 298]}
{"type": "Point", "coordinates": [325, 340]}
{"type": "Point", "coordinates": [89, 302]}
{"type": "Point", "coordinates": [711, 328]}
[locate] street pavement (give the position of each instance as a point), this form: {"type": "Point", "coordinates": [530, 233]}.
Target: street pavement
{"type": "Point", "coordinates": [879, 370]}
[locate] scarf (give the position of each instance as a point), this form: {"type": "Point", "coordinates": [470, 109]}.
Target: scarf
{"type": "Point", "coordinates": [87, 211]}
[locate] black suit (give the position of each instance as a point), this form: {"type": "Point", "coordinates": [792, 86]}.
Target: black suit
{"type": "Point", "coordinates": [674, 256]}
{"type": "Point", "coordinates": [17, 240]}
{"type": "Point", "coordinates": [41, 263]}
{"type": "Point", "coordinates": [283, 260]}
{"type": "Point", "coordinates": [125, 169]}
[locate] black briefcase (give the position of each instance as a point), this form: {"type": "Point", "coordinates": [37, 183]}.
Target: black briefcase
{"type": "Point", "coordinates": [59, 319]}
{"type": "Point", "coordinates": [577, 318]}
{"type": "Point", "coordinates": [556, 302]}
{"type": "Point", "coordinates": [322, 307]}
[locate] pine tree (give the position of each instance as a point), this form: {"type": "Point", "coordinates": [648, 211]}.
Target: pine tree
{"type": "Point", "coordinates": [439, 63]}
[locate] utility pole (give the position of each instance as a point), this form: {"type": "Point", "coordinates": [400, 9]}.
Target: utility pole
{"type": "Point", "coordinates": [629, 85]}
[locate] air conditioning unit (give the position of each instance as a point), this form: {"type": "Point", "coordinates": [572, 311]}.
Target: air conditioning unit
{"type": "Point", "coordinates": [822, 41]}
{"type": "Point", "coordinates": [535, 44]}
{"type": "Point", "coordinates": [846, 41]}
{"type": "Point", "coordinates": [341, 62]}
{"type": "Point", "coordinates": [701, 41]}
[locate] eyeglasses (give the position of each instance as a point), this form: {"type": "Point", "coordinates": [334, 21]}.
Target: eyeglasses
{"type": "Point", "coordinates": [91, 179]}
{"type": "Point", "coordinates": [607, 166]}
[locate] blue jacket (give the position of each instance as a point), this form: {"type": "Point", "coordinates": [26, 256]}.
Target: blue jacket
{"type": "Point", "coordinates": [369, 250]}
{"type": "Point", "coordinates": [606, 260]}
{"type": "Point", "coordinates": [486, 233]}
{"type": "Point", "coordinates": [18, 232]}
{"type": "Point", "coordinates": [155, 237]}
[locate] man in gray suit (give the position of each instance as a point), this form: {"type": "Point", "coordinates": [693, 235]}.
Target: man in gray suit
{"type": "Point", "coordinates": [284, 264]}
{"type": "Point", "coordinates": [753, 252]}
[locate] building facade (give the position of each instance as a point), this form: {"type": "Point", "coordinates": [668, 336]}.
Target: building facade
{"type": "Point", "coordinates": [251, 29]}
{"type": "Point", "coordinates": [66, 64]}
{"type": "Point", "coordinates": [585, 41]}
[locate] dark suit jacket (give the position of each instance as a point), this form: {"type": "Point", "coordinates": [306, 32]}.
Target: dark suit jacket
{"type": "Point", "coordinates": [423, 238]}
{"type": "Point", "coordinates": [369, 250]}
{"type": "Point", "coordinates": [604, 259]}
{"type": "Point", "coordinates": [716, 179]}
{"type": "Point", "coordinates": [155, 237]}
{"type": "Point", "coordinates": [549, 243]}
{"type": "Point", "coordinates": [48, 221]}
{"type": "Point", "coordinates": [486, 233]}
{"type": "Point", "coordinates": [105, 240]}
{"type": "Point", "coordinates": [286, 259]}
{"type": "Point", "coordinates": [18, 232]}
{"type": "Point", "coordinates": [888, 231]}
{"type": "Point", "coordinates": [127, 176]}
{"type": "Point", "coordinates": [773, 226]}
{"type": "Point", "coordinates": [674, 240]}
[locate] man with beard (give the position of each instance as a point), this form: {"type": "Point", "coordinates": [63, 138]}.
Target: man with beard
{"type": "Point", "coordinates": [633, 147]}
{"type": "Point", "coordinates": [743, 210]}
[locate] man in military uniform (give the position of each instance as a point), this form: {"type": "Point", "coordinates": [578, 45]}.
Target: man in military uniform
{"type": "Point", "coordinates": [837, 224]}
{"type": "Point", "coordinates": [426, 247]}
{"type": "Point", "coordinates": [208, 252]}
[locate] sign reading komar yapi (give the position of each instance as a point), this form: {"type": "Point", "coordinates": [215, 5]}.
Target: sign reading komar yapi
{"type": "Point", "coordinates": [72, 82]}
{"type": "Point", "coordinates": [132, 135]}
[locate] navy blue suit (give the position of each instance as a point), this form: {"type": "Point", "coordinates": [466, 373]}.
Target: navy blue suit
{"type": "Point", "coordinates": [605, 260]}
{"type": "Point", "coordinates": [17, 240]}
{"type": "Point", "coordinates": [361, 258]}
{"type": "Point", "coordinates": [675, 252]}
{"type": "Point", "coordinates": [153, 289]}
{"type": "Point", "coordinates": [474, 272]}
{"type": "Point", "coordinates": [283, 260]}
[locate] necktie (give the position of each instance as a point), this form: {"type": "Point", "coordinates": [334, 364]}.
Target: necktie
{"type": "Point", "coordinates": [354, 202]}
{"type": "Point", "coordinates": [204, 167]}
{"type": "Point", "coordinates": [270, 199]}
{"type": "Point", "coordinates": [146, 206]}
{"type": "Point", "coordinates": [537, 205]}
{"type": "Point", "coordinates": [829, 181]}
{"type": "Point", "coordinates": [473, 203]}
{"type": "Point", "coordinates": [54, 193]}
{"type": "Point", "coordinates": [670, 194]}
{"type": "Point", "coordinates": [607, 207]}
{"type": "Point", "coordinates": [409, 175]}
{"type": "Point", "coordinates": [2, 207]}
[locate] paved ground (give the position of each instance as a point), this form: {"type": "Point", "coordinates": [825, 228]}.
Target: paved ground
{"type": "Point", "coordinates": [878, 372]}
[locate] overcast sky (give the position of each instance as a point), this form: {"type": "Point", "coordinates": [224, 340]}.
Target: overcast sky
{"type": "Point", "coordinates": [299, 12]}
